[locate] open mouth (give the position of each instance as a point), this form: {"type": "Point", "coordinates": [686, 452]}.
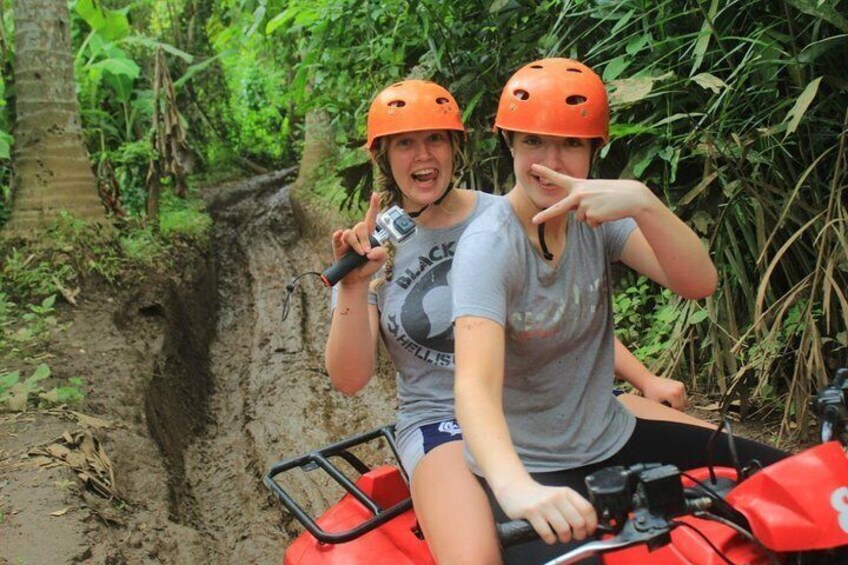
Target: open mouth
{"type": "Point", "coordinates": [425, 175]}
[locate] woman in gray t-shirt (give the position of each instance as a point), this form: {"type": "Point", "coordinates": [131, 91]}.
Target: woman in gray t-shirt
{"type": "Point", "coordinates": [414, 132]}
{"type": "Point", "coordinates": [533, 311]}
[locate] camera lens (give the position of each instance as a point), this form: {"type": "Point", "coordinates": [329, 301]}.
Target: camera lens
{"type": "Point", "coordinates": [404, 224]}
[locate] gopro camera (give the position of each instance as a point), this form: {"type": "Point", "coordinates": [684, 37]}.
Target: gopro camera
{"type": "Point", "coordinates": [392, 225]}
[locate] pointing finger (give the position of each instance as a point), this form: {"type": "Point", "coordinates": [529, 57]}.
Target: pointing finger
{"type": "Point", "coordinates": [562, 207]}
{"type": "Point", "coordinates": [373, 211]}
{"type": "Point", "coordinates": [551, 175]}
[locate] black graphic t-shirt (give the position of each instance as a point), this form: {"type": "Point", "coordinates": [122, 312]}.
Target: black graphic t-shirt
{"type": "Point", "coordinates": [415, 319]}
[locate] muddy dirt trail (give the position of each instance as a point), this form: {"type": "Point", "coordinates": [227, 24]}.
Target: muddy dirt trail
{"type": "Point", "coordinates": [195, 387]}
{"type": "Point", "coordinates": [272, 397]}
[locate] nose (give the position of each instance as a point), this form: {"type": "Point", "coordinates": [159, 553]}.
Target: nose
{"type": "Point", "coordinates": [422, 151]}
{"type": "Point", "coordinates": [554, 158]}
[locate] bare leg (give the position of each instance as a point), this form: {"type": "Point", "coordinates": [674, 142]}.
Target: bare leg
{"type": "Point", "coordinates": [453, 510]}
{"type": "Point", "coordinates": [641, 407]}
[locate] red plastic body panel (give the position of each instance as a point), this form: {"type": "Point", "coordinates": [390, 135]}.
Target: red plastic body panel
{"type": "Point", "coordinates": [392, 543]}
{"type": "Point", "coordinates": [800, 503]}
{"type": "Point", "coordinates": [687, 547]}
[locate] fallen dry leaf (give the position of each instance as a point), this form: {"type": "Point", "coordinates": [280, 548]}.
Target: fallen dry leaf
{"type": "Point", "coordinates": [61, 512]}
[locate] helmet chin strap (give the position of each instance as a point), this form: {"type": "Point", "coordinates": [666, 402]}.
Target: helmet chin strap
{"type": "Point", "coordinates": [545, 253]}
{"type": "Point", "coordinates": [414, 215]}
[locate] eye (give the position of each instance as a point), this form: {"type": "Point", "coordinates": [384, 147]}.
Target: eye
{"type": "Point", "coordinates": [532, 141]}
{"type": "Point", "coordinates": [402, 142]}
{"type": "Point", "coordinates": [437, 137]}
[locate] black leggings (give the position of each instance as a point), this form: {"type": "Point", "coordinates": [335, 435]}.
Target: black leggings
{"type": "Point", "coordinates": [652, 441]}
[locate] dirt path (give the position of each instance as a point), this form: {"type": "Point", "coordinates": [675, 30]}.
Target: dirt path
{"type": "Point", "coordinates": [202, 387]}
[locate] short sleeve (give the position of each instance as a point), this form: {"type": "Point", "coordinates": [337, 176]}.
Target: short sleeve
{"type": "Point", "coordinates": [480, 277]}
{"type": "Point", "coordinates": [616, 235]}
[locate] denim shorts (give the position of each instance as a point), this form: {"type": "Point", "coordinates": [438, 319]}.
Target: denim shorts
{"type": "Point", "coordinates": [414, 443]}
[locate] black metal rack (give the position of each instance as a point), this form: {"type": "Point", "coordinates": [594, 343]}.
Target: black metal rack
{"type": "Point", "coordinates": [321, 459]}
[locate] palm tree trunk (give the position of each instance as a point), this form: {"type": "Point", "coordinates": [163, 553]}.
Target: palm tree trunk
{"type": "Point", "coordinates": [52, 170]}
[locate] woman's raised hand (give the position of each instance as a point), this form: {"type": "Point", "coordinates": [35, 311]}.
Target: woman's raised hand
{"type": "Point", "coordinates": [594, 201]}
{"type": "Point", "coordinates": [357, 238]}
{"type": "Point", "coordinates": [556, 513]}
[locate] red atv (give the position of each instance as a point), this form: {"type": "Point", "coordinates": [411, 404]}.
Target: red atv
{"type": "Point", "coordinates": [792, 512]}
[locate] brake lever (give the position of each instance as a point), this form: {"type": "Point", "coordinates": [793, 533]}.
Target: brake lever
{"type": "Point", "coordinates": [642, 528]}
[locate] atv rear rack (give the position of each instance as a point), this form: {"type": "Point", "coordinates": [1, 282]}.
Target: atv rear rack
{"type": "Point", "coordinates": [382, 508]}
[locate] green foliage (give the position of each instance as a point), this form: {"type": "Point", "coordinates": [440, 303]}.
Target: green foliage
{"type": "Point", "coordinates": [17, 395]}
{"type": "Point", "coordinates": [184, 218]}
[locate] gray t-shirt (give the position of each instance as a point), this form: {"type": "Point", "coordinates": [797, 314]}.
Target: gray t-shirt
{"type": "Point", "coordinates": [415, 320]}
{"type": "Point", "coordinates": [558, 322]}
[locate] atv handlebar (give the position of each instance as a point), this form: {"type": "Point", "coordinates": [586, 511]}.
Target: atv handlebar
{"type": "Point", "coordinates": [639, 504]}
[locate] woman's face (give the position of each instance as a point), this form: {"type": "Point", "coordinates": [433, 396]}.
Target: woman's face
{"type": "Point", "coordinates": [568, 155]}
{"type": "Point", "coordinates": [422, 165]}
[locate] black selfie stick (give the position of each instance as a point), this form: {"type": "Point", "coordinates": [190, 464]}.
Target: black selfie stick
{"type": "Point", "coordinates": [349, 261]}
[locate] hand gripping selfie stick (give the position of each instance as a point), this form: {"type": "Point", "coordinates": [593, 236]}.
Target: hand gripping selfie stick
{"type": "Point", "coordinates": [394, 224]}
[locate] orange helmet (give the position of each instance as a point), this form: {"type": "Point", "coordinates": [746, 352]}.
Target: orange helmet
{"type": "Point", "coordinates": [412, 105]}
{"type": "Point", "coordinates": [559, 97]}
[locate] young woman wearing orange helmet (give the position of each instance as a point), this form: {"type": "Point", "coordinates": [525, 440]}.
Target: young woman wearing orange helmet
{"type": "Point", "coordinates": [414, 135]}
{"type": "Point", "coordinates": [533, 311]}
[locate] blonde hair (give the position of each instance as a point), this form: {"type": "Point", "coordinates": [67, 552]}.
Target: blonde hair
{"type": "Point", "coordinates": [390, 194]}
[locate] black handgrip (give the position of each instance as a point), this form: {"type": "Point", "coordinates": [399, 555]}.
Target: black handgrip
{"type": "Point", "coordinates": [516, 532]}
{"type": "Point", "coordinates": [351, 260]}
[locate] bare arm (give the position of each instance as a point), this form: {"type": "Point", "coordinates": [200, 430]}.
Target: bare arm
{"type": "Point", "coordinates": [554, 512]}
{"type": "Point", "coordinates": [663, 247]}
{"type": "Point", "coordinates": [658, 389]}
{"type": "Point", "coordinates": [351, 349]}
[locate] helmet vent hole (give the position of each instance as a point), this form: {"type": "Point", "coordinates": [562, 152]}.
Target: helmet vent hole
{"type": "Point", "coordinates": [397, 103]}
{"type": "Point", "coordinates": [521, 94]}
{"type": "Point", "coordinates": [573, 70]}
{"type": "Point", "coordinates": [575, 100]}
{"type": "Point", "coordinates": [536, 67]}
{"type": "Point", "coordinates": [442, 100]}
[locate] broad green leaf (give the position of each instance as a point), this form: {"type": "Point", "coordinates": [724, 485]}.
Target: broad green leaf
{"type": "Point", "coordinates": [279, 20]}
{"type": "Point", "coordinates": [797, 112]}
{"type": "Point", "coordinates": [126, 67]}
{"type": "Point", "coordinates": [637, 43]}
{"type": "Point", "coordinates": [708, 81]}
{"type": "Point", "coordinates": [49, 301]}
{"type": "Point", "coordinates": [629, 90]}
{"type": "Point", "coordinates": [615, 67]}
{"type": "Point", "coordinates": [817, 48]}
{"type": "Point", "coordinates": [115, 27]}
{"type": "Point", "coordinates": [623, 130]}
{"type": "Point", "coordinates": [91, 14]}
{"type": "Point", "coordinates": [697, 317]}
{"type": "Point", "coordinates": [41, 372]}
{"type": "Point", "coordinates": [8, 380]}
{"type": "Point", "coordinates": [469, 108]}
{"type": "Point", "coordinates": [824, 9]}
{"type": "Point", "coordinates": [623, 21]}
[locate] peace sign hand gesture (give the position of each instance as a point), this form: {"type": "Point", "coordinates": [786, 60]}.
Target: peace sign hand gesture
{"type": "Point", "coordinates": [594, 201]}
